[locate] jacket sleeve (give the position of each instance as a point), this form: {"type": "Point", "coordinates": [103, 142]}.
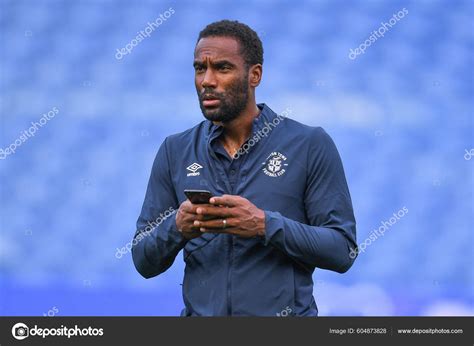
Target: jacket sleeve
{"type": "Point", "coordinates": [329, 240]}
{"type": "Point", "coordinates": [157, 240]}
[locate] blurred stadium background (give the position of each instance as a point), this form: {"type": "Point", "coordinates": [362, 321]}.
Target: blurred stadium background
{"type": "Point", "coordinates": [401, 115]}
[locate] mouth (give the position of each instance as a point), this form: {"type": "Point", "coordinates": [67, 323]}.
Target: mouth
{"type": "Point", "coordinates": [210, 101]}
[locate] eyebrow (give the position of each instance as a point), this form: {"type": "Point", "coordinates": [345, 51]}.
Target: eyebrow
{"type": "Point", "coordinates": [218, 63]}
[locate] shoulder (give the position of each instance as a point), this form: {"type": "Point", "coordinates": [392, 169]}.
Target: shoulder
{"type": "Point", "coordinates": [174, 145]}
{"type": "Point", "coordinates": [313, 135]}
{"type": "Point", "coordinates": [177, 140]}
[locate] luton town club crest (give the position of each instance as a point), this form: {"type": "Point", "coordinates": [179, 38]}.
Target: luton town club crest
{"type": "Point", "coordinates": [275, 165]}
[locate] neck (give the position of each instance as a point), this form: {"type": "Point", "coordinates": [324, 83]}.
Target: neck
{"type": "Point", "coordinates": [238, 130]}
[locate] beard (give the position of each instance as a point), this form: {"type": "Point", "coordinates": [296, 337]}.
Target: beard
{"type": "Point", "coordinates": [232, 102]}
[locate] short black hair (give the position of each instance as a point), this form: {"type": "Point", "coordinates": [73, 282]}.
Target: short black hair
{"type": "Point", "coordinates": [250, 43]}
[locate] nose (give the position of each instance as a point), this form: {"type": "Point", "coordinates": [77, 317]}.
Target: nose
{"type": "Point", "coordinates": [209, 80]}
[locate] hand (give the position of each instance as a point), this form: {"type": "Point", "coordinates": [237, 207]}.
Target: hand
{"type": "Point", "coordinates": [185, 218]}
{"type": "Point", "coordinates": [242, 217]}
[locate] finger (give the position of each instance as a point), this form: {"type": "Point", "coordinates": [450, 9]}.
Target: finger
{"type": "Point", "coordinates": [187, 209]}
{"type": "Point", "coordinates": [217, 223]}
{"type": "Point", "coordinates": [190, 230]}
{"type": "Point", "coordinates": [201, 217]}
{"type": "Point", "coordinates": [188, 222]}
{"type": "Point", "coordinates": [215, 212]}
{"type": "Point", "coordinates": [191, 208]}
{"type": "Point", "coordinates": [225, 200]}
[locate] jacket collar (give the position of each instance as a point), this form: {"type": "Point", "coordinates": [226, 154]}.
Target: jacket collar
{"type": "Point", "coordinates": [266, 115]}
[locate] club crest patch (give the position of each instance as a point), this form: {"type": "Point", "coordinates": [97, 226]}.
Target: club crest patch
{"type": "Point", "coordinates": [275, 166]}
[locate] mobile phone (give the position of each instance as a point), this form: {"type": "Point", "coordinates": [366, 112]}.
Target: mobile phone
{"type": "Point", "coordinates": [198, 196]}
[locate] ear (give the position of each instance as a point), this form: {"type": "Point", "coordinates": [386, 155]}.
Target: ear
{"type": "Point", "coordinates": [255, 75]}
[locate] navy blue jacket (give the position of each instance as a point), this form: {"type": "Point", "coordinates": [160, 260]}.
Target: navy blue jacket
{"type": "Point", "coordinates": [291, 171]}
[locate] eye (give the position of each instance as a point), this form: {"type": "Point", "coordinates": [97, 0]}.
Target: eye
{"type": "Point", "coordinates": [224, 68]}
{"type": "Point", "coordinates": [198, 69]}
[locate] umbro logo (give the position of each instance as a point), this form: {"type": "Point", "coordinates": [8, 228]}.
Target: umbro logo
{"type": "Point", "coordinates": [194, 169]}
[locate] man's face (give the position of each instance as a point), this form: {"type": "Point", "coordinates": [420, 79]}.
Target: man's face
{"type": "Point", "coordinates": [221, 78]}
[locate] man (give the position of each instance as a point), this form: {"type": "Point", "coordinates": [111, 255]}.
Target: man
{"type": "Point", "coordinates": [282, 206]}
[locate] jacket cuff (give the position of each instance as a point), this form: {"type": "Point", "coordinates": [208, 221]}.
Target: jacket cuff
{"type": "Point", "coordinates": [173, 233]}
{"type": "Point", "coordinates": [168, 232]}
{"type": "Point", "coordinates": [273, 224]}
